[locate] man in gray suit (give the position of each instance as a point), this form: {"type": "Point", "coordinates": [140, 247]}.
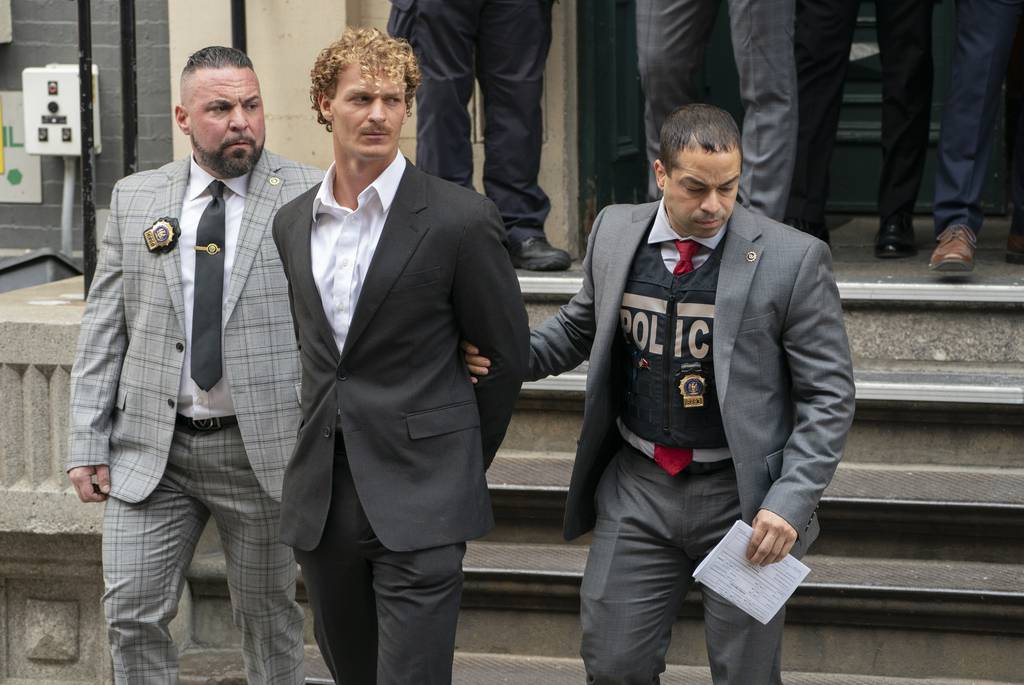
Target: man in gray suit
{"type": "Point", "coordinates": [719, 388]}
{"type": "Point", "coordinates": [671, 37]}
{"type": "Point", "coordinates": [388, 267]}
{"type": "Point", "coordinates": [184, 389]}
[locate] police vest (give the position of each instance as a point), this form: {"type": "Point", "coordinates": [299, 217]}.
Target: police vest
{"type": "Point", "coordinates": [668, 323]}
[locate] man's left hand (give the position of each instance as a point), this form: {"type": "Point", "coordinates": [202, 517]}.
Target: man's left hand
{"type": "Point", "coordinates": [772, 539]}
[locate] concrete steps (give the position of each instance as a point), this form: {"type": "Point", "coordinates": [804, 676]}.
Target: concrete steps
{"type": "Point", "coordinates": [224, 667]}
{"type": "Point", "coordinates": [907, 413]}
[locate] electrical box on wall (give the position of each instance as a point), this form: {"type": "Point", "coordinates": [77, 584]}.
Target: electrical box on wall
{"type": "Point", "coordinates": [53, 114]}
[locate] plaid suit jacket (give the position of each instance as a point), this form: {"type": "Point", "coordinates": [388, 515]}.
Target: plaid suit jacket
{"type": "Point", "coordinates": [124, 383]}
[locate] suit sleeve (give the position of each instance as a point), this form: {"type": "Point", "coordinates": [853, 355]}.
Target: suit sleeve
{"type": "Point", "coordinates": [564, 341]}
{"type": "Point", "coordinates": [102, 343]}
{"type": "Point", "coordinates": [817, 351]}
{"type": "Point", "coordinates": [277, 231]}
{"type": "Point", "coordinates": [490, 313]}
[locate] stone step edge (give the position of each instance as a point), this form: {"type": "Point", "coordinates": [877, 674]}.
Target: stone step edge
{"type": "Point", "coordinates": [509, 460]}
{"type": "Point", "coordinates": [849, 291]}
{"type": "Point", "coordinates": [853, 604]}
{"type": "Point", "coordinates": [866, 390]}
{"type": "Point", "coordinates": [541, 669]}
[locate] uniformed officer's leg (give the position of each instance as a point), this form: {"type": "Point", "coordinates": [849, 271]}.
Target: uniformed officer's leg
{"type": "Point", "coordinates": [762, 43]}
{"type": "Point", "coordinates": [636, 576]}
{"type": "Point", "coordinates": [418, 595]}
{"type": "Point", "coordinates": [671, 36]}
{"type": "Point", "coordinates": [512, 50]}
{"type": "Point", "coordinates": [146, 549]}
{"type": "Point", "coordinates": [260, 569]}
{"type": "Point", "coordinates": [905, 44]}
{"type": "Point", "coordinates": [443, 35]}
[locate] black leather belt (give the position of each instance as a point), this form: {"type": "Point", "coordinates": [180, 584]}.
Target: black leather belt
{"type": "Point", "coordinates": [700, 468]}
{"type": "Point", "coordinates": [205, 425]}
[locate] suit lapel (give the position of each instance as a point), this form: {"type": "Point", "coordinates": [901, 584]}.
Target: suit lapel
{"type": "Point", "coordinates": [402, 232]}
{"type": "Point", "coordinates": [734, 278]}
{"type": "Point", "coordinates": [623, 249]}
{"type": "Point", "coordinates": [260, 202]}
{"type": "Point", "coordinates": [169, 205]}
{"type": "Point", "coordinates": [301, 275]}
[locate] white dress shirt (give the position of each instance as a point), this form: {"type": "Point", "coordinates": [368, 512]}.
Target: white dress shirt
{"type": "Point", "coordinates": [343, 241]}
{"type": "Point", "coordinates": [193, 401]}
{"type": "Point", "coordinates": [662, 232]}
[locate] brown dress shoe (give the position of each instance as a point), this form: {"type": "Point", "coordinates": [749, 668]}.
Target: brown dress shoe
{"type": "Point", "coordinates": [1015, 249]}
{"type": "Point", "coordinates": [955, 251]}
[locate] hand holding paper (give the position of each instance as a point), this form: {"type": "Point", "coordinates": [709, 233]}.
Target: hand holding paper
{"type": "Point", "coordinates": [758, 590]}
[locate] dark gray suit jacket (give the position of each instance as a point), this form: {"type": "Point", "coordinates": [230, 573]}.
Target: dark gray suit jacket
{"type": "Point", "coordinates": [418, 434]}
{"type": "Point", "coordinates": [782, 362]}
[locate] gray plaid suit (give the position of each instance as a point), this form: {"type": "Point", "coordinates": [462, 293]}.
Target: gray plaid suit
{"type": "Point", "coordinates": [166, 483]}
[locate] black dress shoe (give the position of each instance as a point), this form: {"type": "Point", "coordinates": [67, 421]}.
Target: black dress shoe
{"type": "Point", "coordinates": [815, 228]}
{"type": "Point", "coordinates": [895, 238]}
{"type": "Point", "coordinates": [536, 254]}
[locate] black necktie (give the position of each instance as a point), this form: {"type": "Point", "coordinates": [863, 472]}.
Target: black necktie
{"type": "Point", "coordinates": [208, 297]}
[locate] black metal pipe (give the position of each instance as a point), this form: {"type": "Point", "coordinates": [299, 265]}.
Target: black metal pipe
{"type": "Point", "coordinates": [88, 159]}
{"type": "Point", "coordinates": [238, 24]}
{"type": "Point", "coordinates": [129, 90]}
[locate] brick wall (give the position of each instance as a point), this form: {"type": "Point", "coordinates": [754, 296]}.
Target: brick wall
{"type": "Point", "coordinates": [46, 31]}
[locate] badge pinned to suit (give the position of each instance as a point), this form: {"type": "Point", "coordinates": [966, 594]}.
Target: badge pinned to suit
{"type": "Point", "coordinates": [162, 236]}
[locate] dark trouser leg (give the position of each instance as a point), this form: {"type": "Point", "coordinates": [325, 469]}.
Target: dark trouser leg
{"type": "Point", "coordinates": [984, 37]}
{"type": "Point", "coordinates": [824, 32]}
{"type": "Point", "coordinates": [418, 595]}
{"type": "Point", "coordinates": [512, 49]}
{"type": "Point", "coordinates": [443, 35]}
{"type": "Point", "coordinates": [905, 43]}
{"type": "Point", "coordinates": [339, 582]}
{"type": "Point", "coordinates": [671, 36]}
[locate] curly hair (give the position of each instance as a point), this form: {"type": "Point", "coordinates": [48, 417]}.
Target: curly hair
{"type": "Point", "coordinates": [375, 52]}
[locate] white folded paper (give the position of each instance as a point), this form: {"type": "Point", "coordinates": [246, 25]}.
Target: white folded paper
{"type": "Point", "coordinates": [758, 590]}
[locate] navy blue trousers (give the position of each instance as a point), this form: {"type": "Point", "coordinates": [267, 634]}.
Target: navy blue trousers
{"type": "Point", "coordinates": [984, 38]}
{"type": "Point", "coordinates": [503, 44]}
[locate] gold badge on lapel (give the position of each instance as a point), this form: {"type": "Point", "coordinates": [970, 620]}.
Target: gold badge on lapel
{"type": "Point", "coordinates": [691, 387]}
{"type": "Point", "coordinates": [751, 256]}
{"type": "Point", "coordinates": [162, 235]}
{"type": "Point", "coordinates": [274, 180]}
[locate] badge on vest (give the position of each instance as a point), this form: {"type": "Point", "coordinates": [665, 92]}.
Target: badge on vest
{"type": "Point", "coordinates": [691, 387]}
{"type": "Point", "coordinates": [162, 235]}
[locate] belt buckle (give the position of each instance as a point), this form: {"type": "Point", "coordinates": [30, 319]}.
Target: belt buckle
{"type": "Point", "coordinates": [206, 424]}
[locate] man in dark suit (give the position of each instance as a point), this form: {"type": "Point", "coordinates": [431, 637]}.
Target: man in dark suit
{"type": "Point", "coordinates": [387, 268]}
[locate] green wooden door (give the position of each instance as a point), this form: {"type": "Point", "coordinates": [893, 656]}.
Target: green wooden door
{"type": "Point", "coordinates": [612, 162]}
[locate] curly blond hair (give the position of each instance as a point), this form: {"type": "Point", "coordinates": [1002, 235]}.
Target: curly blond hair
{"type": "Point", "coordinates": [375, 52]}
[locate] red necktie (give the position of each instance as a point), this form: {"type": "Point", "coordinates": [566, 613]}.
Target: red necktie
{"type": "Point", "coordinates": [687, 248]}
{"type": "Point", "coordinates": [675, 459]}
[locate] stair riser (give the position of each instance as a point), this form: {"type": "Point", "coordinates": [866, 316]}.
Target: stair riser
{"type": "Point", "coordinates": [887, 437]}
{"type": "Point", "coordinates": [913, 333]}
{"type": "Point", "coordinates": [873, 649]}
{"type": "Point", "coordinates": [810, 647]}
